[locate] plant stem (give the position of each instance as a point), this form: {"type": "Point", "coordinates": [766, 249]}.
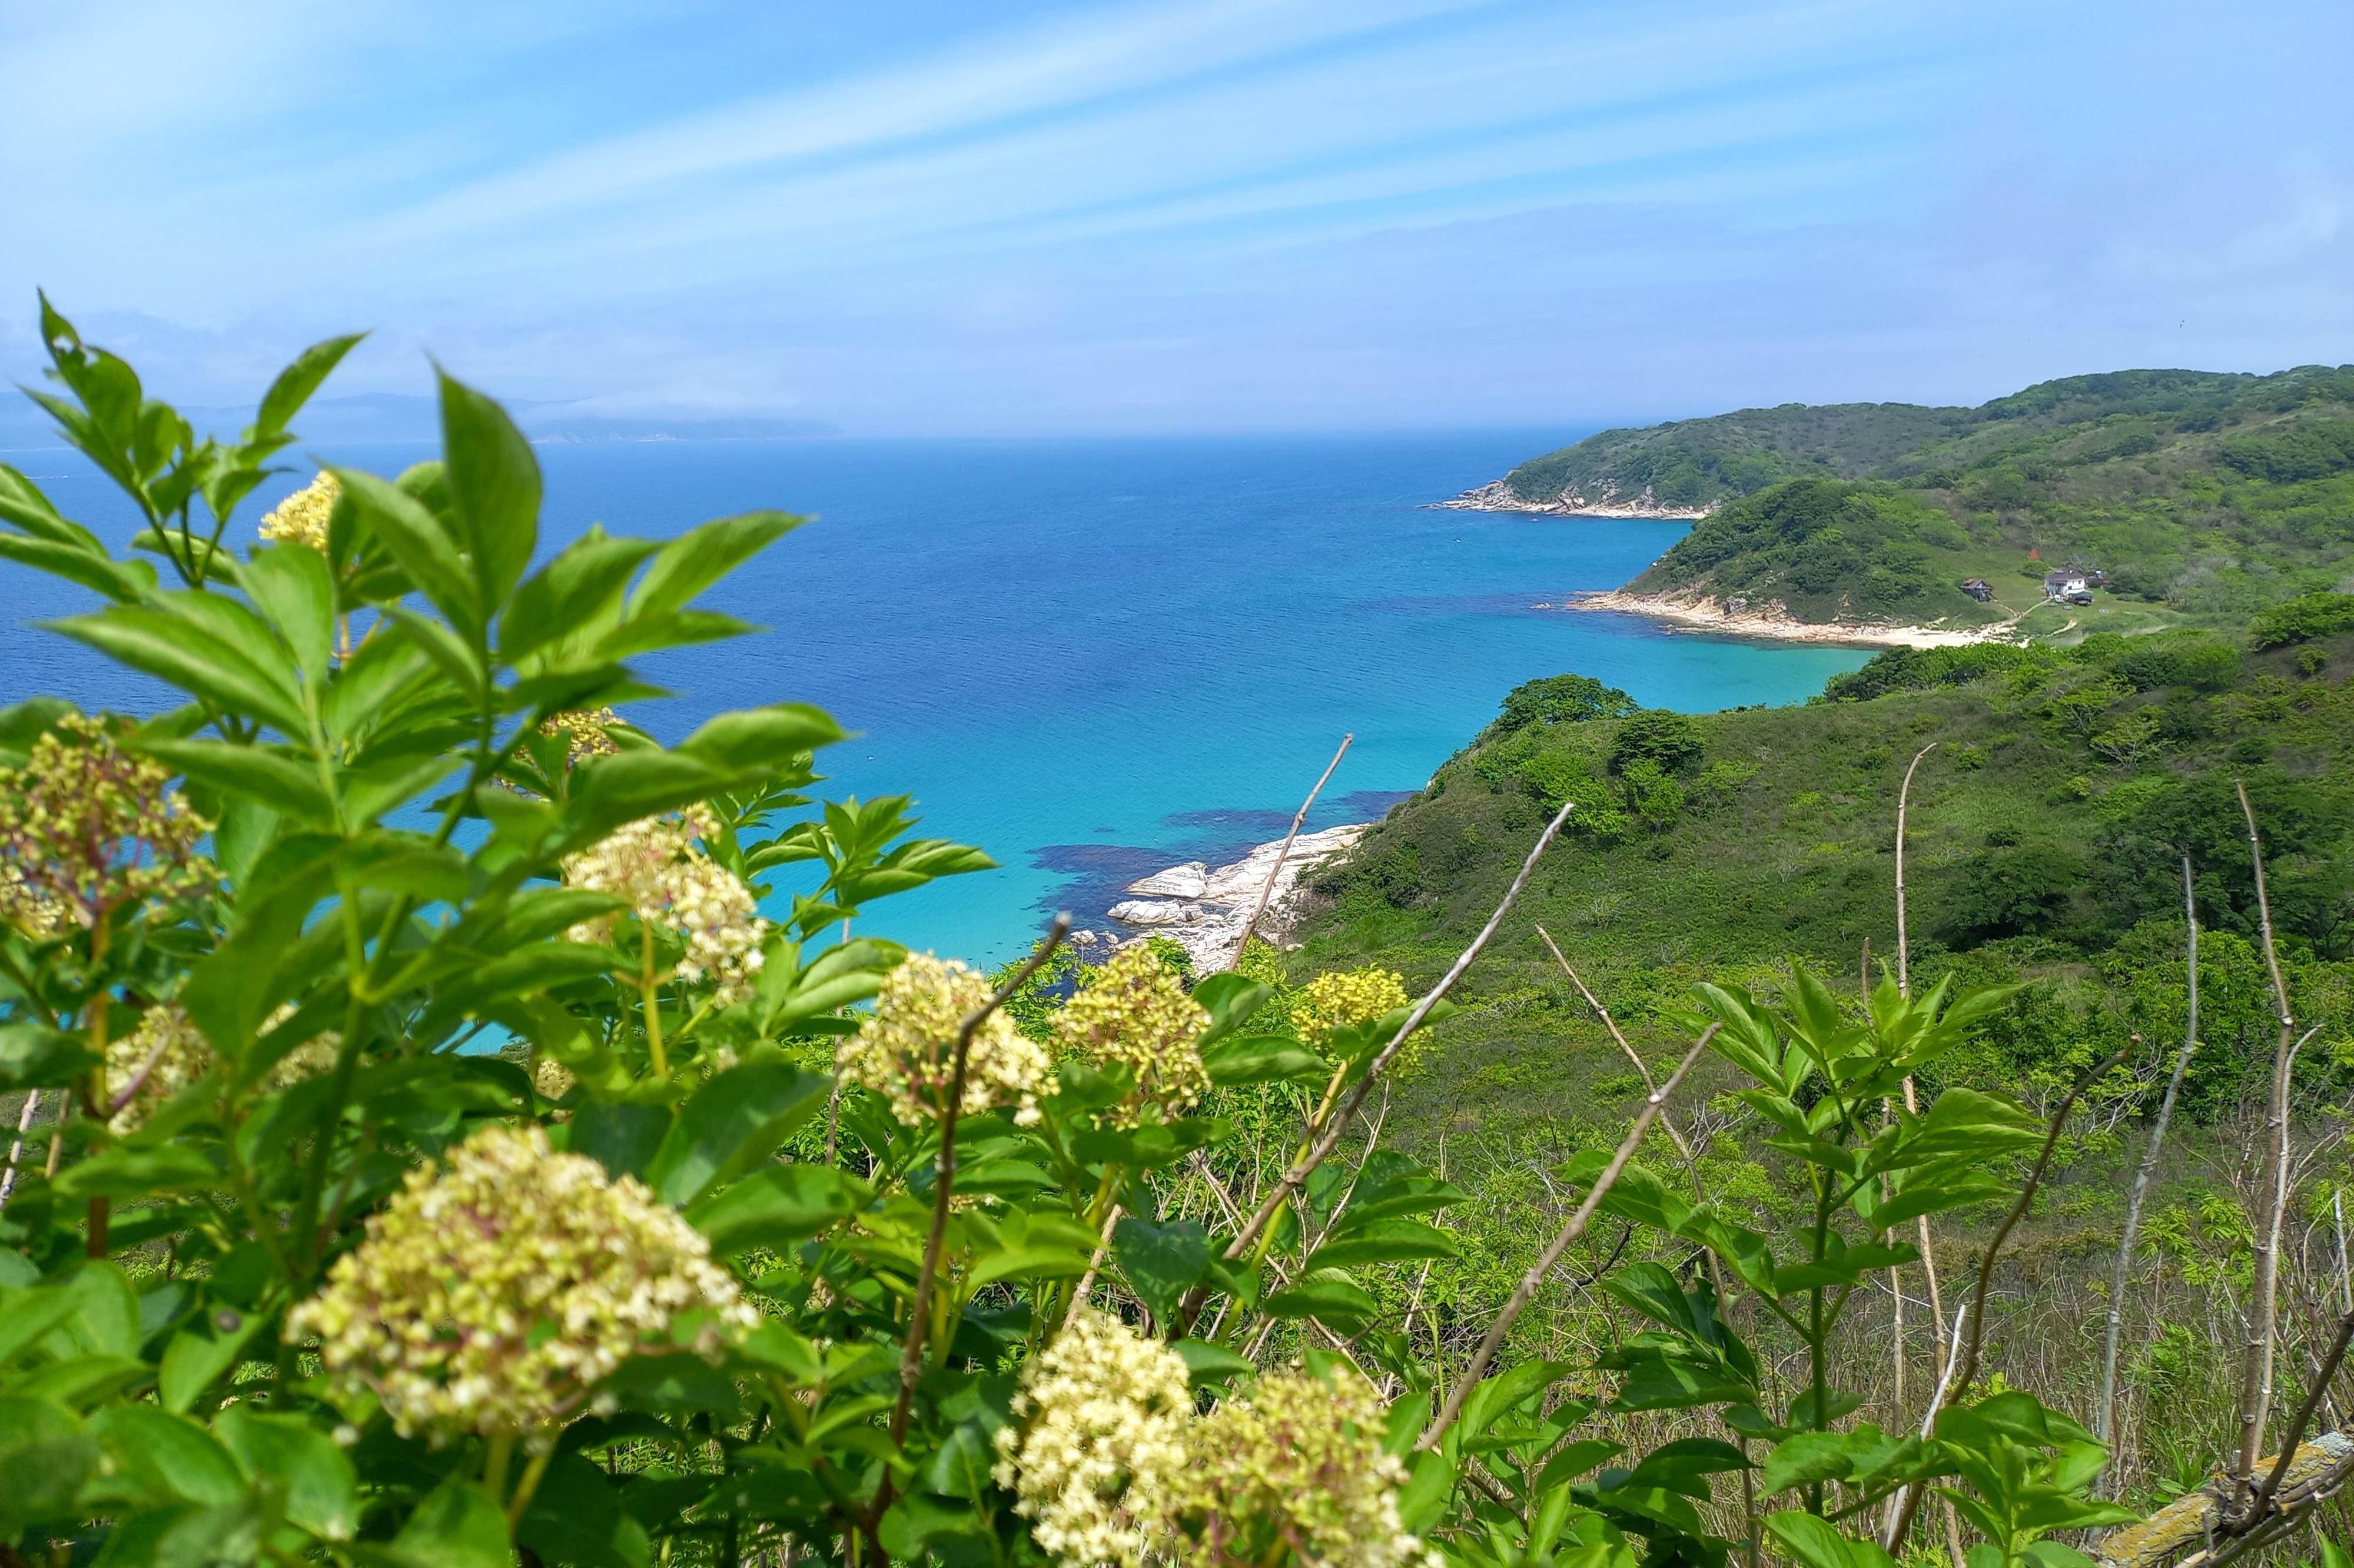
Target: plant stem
{"type": "Point", "coordinates": [649, 994]}
{"type": "Point", "coordinates": [911, 1354]}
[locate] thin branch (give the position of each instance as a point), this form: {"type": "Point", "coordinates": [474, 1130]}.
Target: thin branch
{"type": "Point", "coordinates": [1976, 1309]}
{"type": "Point", "coordinates": [2263, 1306]}
{"type": "Point", "coordinates": [24, 1124]}
{"type": "Point", "coordinates": [1901, 1515]}
{"type": "Point", "coordinates": [1095, 1264]}
{"type": "Point", "coordinates": [1526, 1290]}
{"type": "Point", "coordinates": [911, 1356]}
{"type": "Point", "coordinates": [1329, 1139]}
{"type": "Point", "coordinates": [1651, 1084]}
{"type": "Point", "coordinates": [1903, 942]}
{"type": "Point", "coordinates": [2313, 1398]}
{"type": "Point", "coordinates": [1275, 872]}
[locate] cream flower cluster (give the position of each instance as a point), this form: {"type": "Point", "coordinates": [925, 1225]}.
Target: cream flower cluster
{"type": "Point", "coordinates": [1099, 1443]}
{"type": "Point", "coordinates": [505, 1282]}
{"type": "Point", "coordinates": [1134, 1012]}
{"type": "Point", "coordinates": [905, 1051]}
{"type": "Point", "coordinates": [1299, 1461]}
{"type": "Point", "coordinates": [167, 1052]}
{"type": "Point", "coordinates": [1352, 996]}
{"type": "Point", "coordinates": [301, 518]}
{"type": "Point", "coordinates": [656, 866]}
{"type": "Point", "coordinates": [85, 828]}
{"type": "Point", "coordinates": [587, 733]}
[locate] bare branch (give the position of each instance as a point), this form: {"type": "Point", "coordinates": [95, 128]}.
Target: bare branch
{"type": "Point", "coordinates": [1530, 1282]}
{"type": "Point", "coordinates": [1975, 1310]}
{"type": "Point", "coordinates": [1904, 943]}
{"type": "Point", "coordinates": [1266, 890]}
{"type": "Point", "coordinates": [2263, 1304]}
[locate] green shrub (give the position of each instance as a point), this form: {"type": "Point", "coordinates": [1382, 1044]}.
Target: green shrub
{"type": "Point", "coordinates": [2302, 619]}
{"type": "Point", "coordinates": [1658, 735]}
{"type": "Point", "coordinates": [1560, 699]}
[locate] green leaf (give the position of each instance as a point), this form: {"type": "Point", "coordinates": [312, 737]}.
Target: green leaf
{"type": "Point", "coordinates": [200, 1352]}
{"type": "Point", "coordinates": [493, 490]}
{"type": "Point", "coordinates": [732, 1122]}
{"type": "Point", "coordinates": [1573, 1460]}
{"type": "Point", "coordinates": [775, 1208]}
{"type": "Point", "coordinates": [23, 505]}
{"type": "Point", "coordinates": [292, 585]}
{"type": "Point", "coordinates": [427, 555]}
{"type": "Point", "coordinates": [47, 1455]}
{"type": "Point", "coordinates": [458, 1525]}
{"type": "Point", "coordinates": [1818, 1544]}
{"type": "Point", "coordinates": [120, 581]}
{"type": "Point", "coordinates": [558, 599]}
{"type": "Point", "coordinates": [1263, 1059]}
{"type": "Point", "coordinates": [178, 653]}
{"type": "Point", "coordinates": [701, 556]}
{"type": "Point", "coordinates": [1383, 1241]}
{"type": "Point", "coordinates": [1807, 1457]}
{"type": "Point", "coordinates": [124, 1173]}
{"type": "Point", "coordinates": [1329, 1296]}
{"type": "Point", "coordinates": [321, 1489]}
{"type": "Point", "coordinates": [298, 381]}
{"type": "Point", "coordinates": [772, 736]}
{"type": "Point", "coordinates": [36, 1056]}
{"type": "Point", "coordinates": [621, 1138]}
{"type": "Point", "coordinates": [1206, 1362]}
{"type": "Point", "coordinates": [165, 1457]}
{"type": "Point", "coordinates": [679, 629]}
{"type": "Point", "coordinates": [264, 774]}
{"type": "Point", "coordinates": [1160, 1262]}
{"type": "Point", "coordinates": [576, 1517]}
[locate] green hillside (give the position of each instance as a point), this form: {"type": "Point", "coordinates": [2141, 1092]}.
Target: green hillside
{"type": "Point", "coordinates": [2203, 497]}
{"type": "Point", "coordinates": [2046, 832]}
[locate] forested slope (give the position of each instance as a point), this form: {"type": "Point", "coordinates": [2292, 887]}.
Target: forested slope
{"type": "Point", "coordinates": [2202, 497]}
{"type": "Point", "coordinates": [2044, 846]}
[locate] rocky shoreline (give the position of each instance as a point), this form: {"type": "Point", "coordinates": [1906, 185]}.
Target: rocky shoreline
{"type": "Point", "coordinates": [1203, 908]}
{"type": "Point", "coordinates": [1498, 496]}
{"type": "Point", "coordinates": [1737, 617]}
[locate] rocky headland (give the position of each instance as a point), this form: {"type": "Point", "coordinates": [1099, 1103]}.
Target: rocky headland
{"type": "Point", "coordinates": [1203, 908]}
{"type": "Point", "coordinates": [1498, 495]}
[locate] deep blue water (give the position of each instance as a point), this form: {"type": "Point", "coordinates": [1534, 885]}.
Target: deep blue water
{"type": "Point", "coordinates": [1093, 658]}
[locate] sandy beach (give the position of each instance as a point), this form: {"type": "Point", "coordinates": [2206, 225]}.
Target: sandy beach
{"type": "Point", "coordinates": [1700, 613]}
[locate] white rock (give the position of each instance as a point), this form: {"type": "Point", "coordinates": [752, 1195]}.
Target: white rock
{"type": "Point", "coordinates": [1208, 916]}
{"type": "Point", "coordinates": [1151, 912]}
{"type": "Point", "coordinates": [1178, 882]}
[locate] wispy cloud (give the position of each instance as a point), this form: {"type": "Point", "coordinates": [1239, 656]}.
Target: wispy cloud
{"type": "Point", "coordinates": [919, 214]}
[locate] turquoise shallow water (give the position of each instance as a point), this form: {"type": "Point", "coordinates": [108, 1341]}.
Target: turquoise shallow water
{"type": "Point", "coordinates": [1096, 658]}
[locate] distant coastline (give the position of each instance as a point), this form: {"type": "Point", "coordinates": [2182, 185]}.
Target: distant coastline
{"type": "Point", "coordinates": [1700, 612]}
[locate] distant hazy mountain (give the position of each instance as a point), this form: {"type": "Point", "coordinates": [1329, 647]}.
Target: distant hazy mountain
{"type": "Point", "coordinates": [394, 416]}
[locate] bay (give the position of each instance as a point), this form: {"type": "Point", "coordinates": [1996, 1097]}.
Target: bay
{"type": "Point", "coordinates": [1092, 658]}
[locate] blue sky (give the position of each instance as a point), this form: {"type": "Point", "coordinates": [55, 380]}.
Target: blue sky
{"type": "Point", "coordinates": [1183, 214]}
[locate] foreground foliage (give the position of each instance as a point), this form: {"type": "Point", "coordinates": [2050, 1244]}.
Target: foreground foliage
{"type": "Point", "coordinates": [453, 1164]}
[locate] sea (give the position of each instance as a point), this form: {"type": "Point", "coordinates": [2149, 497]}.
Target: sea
{"type": "Point", "coordinates": [1093, 659]}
